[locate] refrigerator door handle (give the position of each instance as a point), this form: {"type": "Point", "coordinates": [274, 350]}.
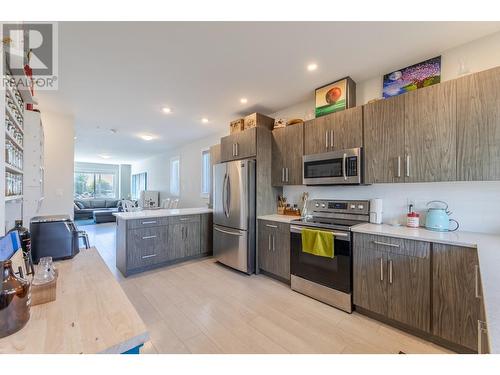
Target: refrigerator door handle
{"type": "Point", "coordinates": [224, 192]}
{"type": "Point", "coordinates": [227, 232]}
{"type": "Point", "coordinates": [228, 196]}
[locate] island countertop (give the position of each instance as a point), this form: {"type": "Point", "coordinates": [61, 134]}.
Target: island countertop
{"type": "Point", "coordinates": [91, 314]}
{"type": "Point", "coordinates": [488, 251]}
{"type": "Point", "coordinates": [145, 214]}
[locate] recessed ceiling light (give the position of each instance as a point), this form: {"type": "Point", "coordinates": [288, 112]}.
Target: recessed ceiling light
{"type": "Point", "coordinates": [166, 110]}
{"type": "Point", "coordinates": [147, 137]}
{"type": "Point", "coordinates": [311, 67]}
{"type": "Point", "coordinates": [243, 100]}
{"type": "Point", "coordinates": [75, 137]}
{"type": "Point", "coordinates": [204, 120]}
{"type": "Point", "coordinates": [104, 156]}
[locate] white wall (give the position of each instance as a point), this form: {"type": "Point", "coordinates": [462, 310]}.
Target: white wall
{"type": "Point", "coordinates": [157, 168]}
{"type": "Point", "coordinates": [475, 204]}
{"type": "Point", "coordinates": [59, 166]}
{"type": "Point", "coordinates": [125, 180]}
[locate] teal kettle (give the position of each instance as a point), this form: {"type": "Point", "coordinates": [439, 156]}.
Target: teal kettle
{"type": "Point", "coordinates": [437, 217]}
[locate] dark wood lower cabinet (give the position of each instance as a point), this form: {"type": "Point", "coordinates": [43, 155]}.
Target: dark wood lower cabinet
{"type": "Point", "coordinates": [432, 290]}
{"type": "Point", "coordinates": [274, 249]}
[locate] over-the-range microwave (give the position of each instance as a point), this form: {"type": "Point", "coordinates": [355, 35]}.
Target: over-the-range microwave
{"type": "Point", "coordinates": [342, 167]}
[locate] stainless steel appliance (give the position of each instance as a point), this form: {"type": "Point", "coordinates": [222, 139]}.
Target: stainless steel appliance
{"type": "Point", "coordinates": [344, 167]}
{"type": "Point", "coordinates": [327, 279]}
{"type": "Point", "coordinates": [234, 214]}
{"type": "Point", "coordinates": [53, 236]}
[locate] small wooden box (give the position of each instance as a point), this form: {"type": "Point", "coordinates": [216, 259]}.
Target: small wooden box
{"type": "Point", "coordinates": [236, 126]}
{"type": "Point", "coordinates": [41, 294]}
{"type": "Point", "coordinates": [259, 120]}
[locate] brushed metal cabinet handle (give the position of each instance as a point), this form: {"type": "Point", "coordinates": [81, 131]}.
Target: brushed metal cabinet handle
{"type": "Point", "coordinates": [271, 226]}
{"type": "Point", "coordinates": [326, 139]}
{"type": "Point", "coordinates": [390, 271]}
{"type": "Point", "coordinates": [476, 270]}
{"type": "Point", "coordinates": [237, 148]}
{"type": "Point", "coordinates": [148, 237]}
{"type": "Point", "coordinates": [149, 222]}
{"type": "Point", "coordinates": [184, 218]}
{"type": "Point", "coordinates": [381, 269]}
{"type": "Point", "coordinates": [286, 174]}
{"type": "Point", "coordinates": [274, 247]}
{"type": "Point", "coordinates": [148, 256]}
{"type": "Point", "coordinates": [233, 150]}
{"type": "Point", "coordinates": [282, 174]}
{"type": "Point", "coordinates": [269, 242]}
{"type": "Point", "coordinates": [407, 165]}
{"type": "Point", "coordinates": [385, 244]}
{"type": "Point", "coordinates": [399, 166]}
{"type": "Point", "coordinates": [331, 138]}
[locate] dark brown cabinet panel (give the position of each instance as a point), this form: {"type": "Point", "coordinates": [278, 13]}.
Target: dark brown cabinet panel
{"type": "Point", "coordinates": [409, 279]}
{"type": "Point", "coordinates": [337, 131]}
{"type": "Point", "coordinates": [430, 133]}
{"type": "Point", "coordinates": [478, 126]}
{"type": "Point", "coordinates": [274, 248]}
{"type": "Point", "coordinates": [288, 149]}
{"type": "Point", "coordinates": [384, 140]}
{"type": "Point", "coordinates": [456, 306]}
{"type": "Point", "coordinates": [239, 145]}
{"type": "Point", "coordinates": [369, 275]}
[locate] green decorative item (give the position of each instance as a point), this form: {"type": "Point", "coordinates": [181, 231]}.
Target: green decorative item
{"type": "Point", "coordinates": [335, 96]}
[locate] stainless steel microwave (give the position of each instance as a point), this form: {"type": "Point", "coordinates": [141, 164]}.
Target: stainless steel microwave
{"type": "Point", "coordinates": [343, 167]}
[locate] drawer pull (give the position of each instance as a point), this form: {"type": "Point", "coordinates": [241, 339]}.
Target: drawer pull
{"type": "Point", "coordinates": [476, 269]}
{"type": "Point", "coordinates": [381, 269]}
{"type": "Point", "coordinates": [271, 226]}
{"type": "Point", "coordinates": [148, 256]}
{"type": "Point", "coordinates": [148, 237]}
{"type": "Point", "coordinates": [184, 218]}
{"type": "Point", "coordinates": [149, 222]}
{"type": "Point", "coordinates": [385, 244]}
{"type": "Point", "coordinates": [390, 271]}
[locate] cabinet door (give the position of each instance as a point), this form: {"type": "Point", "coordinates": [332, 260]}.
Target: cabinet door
{"type": "Point", "coordinates": [246, 145]}
{"type": "Point", "coordinates": [347, 128]}
{"type": "Point", "coordinates": [206, 240]}
{"type": "Point", "coordinates": [294, 141]}
{"type": "Point", "coordinates": [384, 140]}
{"type": "Point", "coordinates": [369, 275]}
{"type": "Point", "coordinates": [282, 252]}
{"type": "Point", "coordinates": [456, 309]}
{"type": "Point", "coordinates": [192, 239]}
{"type": "Point", "coordinates": [264, 247]}
{"type": "Point", "coordinates": [431, 134]}
{"type": "Point", "coordinates": [278, 156]}
{"type": "Point", "coordinates": [227, 147]}
{"type": "Point", "coordinates": [177, 247]}
{"type": "Point", "coordinates": [316, 138]}
{"type": "Point", "coordinates": [478, 126]}
{"type": "Point", "coordinates": [409, 290]}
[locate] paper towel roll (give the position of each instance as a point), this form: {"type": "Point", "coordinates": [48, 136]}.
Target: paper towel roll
{"type": "Point", "coordinates": [376, 211]}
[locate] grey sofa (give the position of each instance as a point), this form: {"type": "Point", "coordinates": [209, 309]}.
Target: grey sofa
{"type": "Point", "coordinates": [85, 209]}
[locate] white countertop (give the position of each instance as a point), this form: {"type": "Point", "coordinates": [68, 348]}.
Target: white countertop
{"type": "Point", "coordinates": [145, 214]}
{"type": "Point", "coordinates": [279, 218]}
{"type": "Point", "coordinates": [488, 250]}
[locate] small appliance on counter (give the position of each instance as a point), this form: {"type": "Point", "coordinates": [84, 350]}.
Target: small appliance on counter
{"type": "Point", "coordinates": [53, 236]}
{"type": "Point", "coordinates": [437, 218]}
{"type": "Point", "coordinates": [376, 211]}
{"type": "Point", "coordinates": [15, 301]}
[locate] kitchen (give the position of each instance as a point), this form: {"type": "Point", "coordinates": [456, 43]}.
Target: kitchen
{"type": "Point", "coordinates": [367, 227]}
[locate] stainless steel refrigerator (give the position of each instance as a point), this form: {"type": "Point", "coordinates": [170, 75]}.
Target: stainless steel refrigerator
{"type": "Point", "coordinates": [234, 214]}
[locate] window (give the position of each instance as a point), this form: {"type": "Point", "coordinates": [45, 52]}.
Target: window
{"type": "Point", "coordinates": [174, 176]}
{"type": "Point", "coordinates": [139, 183]}
{"type": "Point", "coordinates": [205, 173]}
{"type": "Point", "coordinates": [94, 185]}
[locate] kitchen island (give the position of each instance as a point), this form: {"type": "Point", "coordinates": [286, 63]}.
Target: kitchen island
{"type": "Point", "coordinates": [91, 314]}
{"type": "Point", "coordinates": [149, 239]}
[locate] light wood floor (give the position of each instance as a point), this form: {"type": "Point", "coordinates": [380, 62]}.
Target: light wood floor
{"type": "Point", "coordinates": [203, 307]}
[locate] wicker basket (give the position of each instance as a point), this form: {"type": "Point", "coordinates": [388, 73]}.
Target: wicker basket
{"type": "Point", "coordinates": [257, 119]}
{"type": "Point", "coordinates": [236, 126]}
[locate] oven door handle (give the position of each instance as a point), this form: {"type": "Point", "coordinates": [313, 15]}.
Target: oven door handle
{"type": "Point", "coordinates": [296, 229]}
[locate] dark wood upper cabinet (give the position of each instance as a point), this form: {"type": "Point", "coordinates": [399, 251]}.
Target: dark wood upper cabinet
{"type": "Point", "coordinates": [288, 149]}
{"type": "Point", "coordinates": [384, 140]}
{"type": "Point", "coordinates": [337, 131]}
{"type": "Point", "coordinates": [478, 126]}
{"type": "Point", "coordinates": [456, 306]}
{"type": "Point", "coordinates": [430, 133]}
{"type": "Point", "coordinates": [239, 145]}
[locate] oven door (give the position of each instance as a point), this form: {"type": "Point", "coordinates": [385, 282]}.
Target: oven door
{"type": "Point", "coordinates": [331, 272]}
{"type": "Point", "coordinates": [333, 168]}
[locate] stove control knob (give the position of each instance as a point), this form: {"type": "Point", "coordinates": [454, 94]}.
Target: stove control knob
{"type": "Point", "coordinates": [360, 206]}
{"type": "Point", "coordinates": [317, 204]}
{"type": "Point", "coordinates": [323, 205]}
{"type": "Point", "coordinates": [353, 206]}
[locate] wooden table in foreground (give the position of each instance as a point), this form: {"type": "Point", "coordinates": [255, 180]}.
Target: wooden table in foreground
{"type": "Point", "coordinates": [91, 314]}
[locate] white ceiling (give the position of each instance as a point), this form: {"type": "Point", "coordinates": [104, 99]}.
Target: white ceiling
{"type": "Point", "coordinates": [118, 75]}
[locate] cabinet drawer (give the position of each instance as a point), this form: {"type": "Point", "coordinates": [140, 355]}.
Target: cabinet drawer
{"type": "Point", "coordinates": [184, 219]}
{"type": "Point", "coordinates": [147, 222]}
{"type": "Point", "coordinates": [147, 246]}
{"type": "Point", "coordinates": [274, 225]}
{"type": "Point", "coordinates": [418, 249]}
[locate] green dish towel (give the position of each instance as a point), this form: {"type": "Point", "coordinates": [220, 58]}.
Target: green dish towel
{"type": "Point", "coordinates": [318, 242]}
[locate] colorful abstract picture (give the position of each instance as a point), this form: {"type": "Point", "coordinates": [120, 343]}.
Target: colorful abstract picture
{"type": "Point", "coordinates": [413, 77]}
{"type": "Point", "coordinates": [331, 98]}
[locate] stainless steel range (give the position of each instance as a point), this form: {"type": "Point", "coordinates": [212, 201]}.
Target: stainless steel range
{"type": "Point", "coordinates": [327, 279]}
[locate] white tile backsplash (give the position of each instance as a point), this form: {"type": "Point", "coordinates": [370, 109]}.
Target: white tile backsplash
{"type": "Point", "coordinates": [475, 205]}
